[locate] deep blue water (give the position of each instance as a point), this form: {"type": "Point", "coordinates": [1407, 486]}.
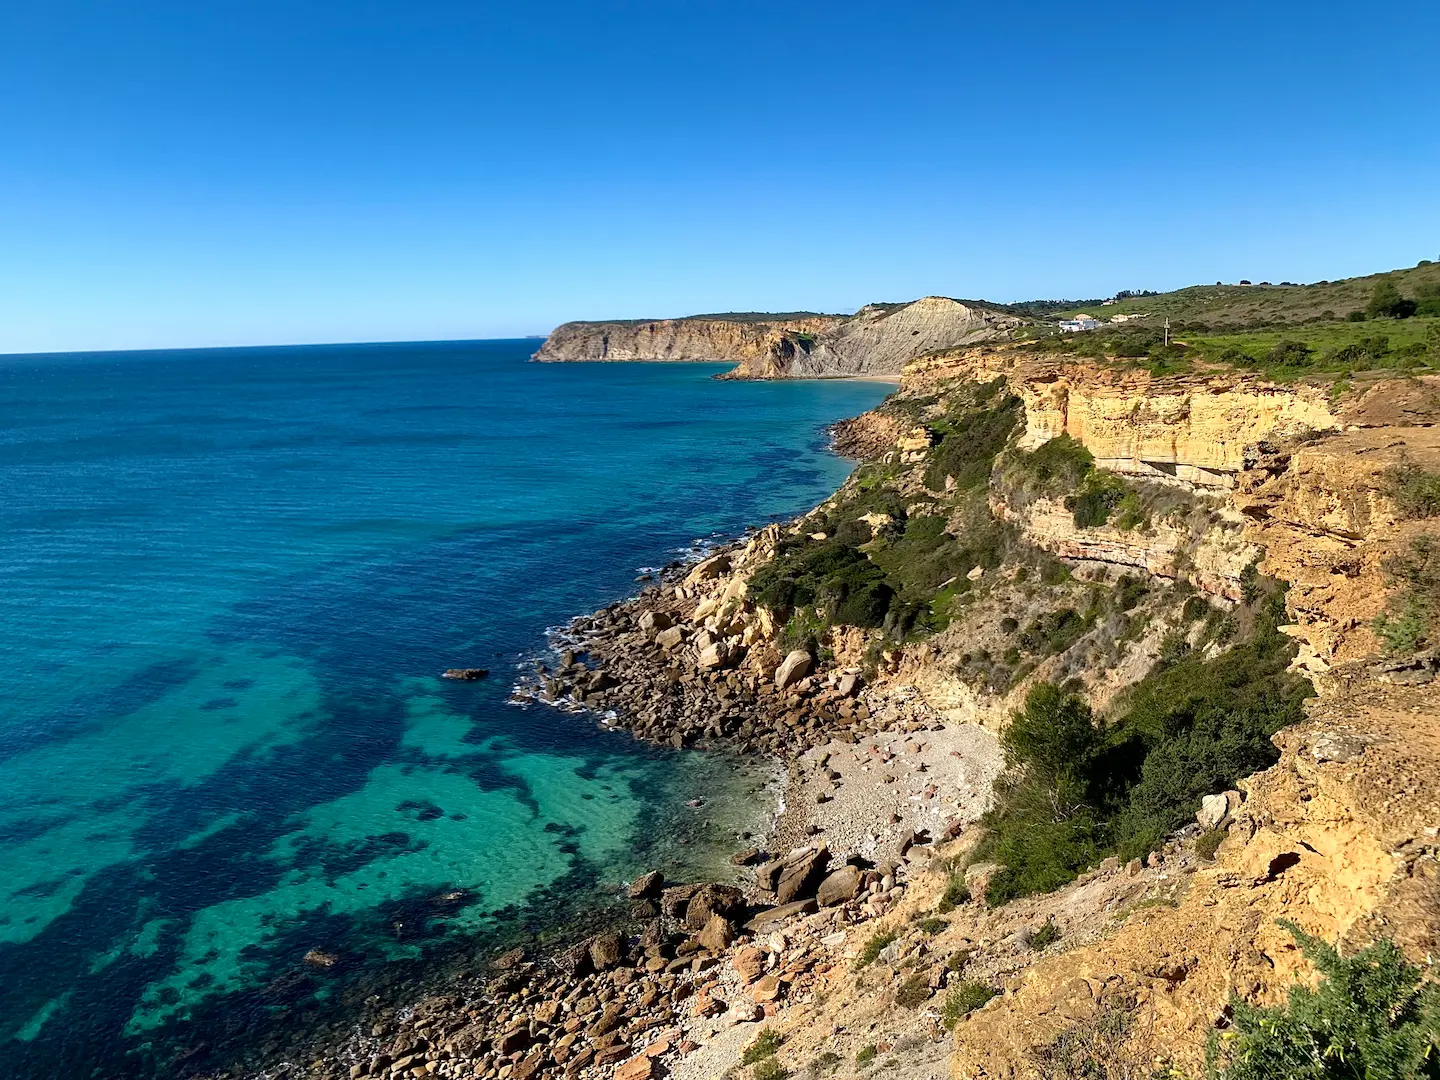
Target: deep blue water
{"type": "Point", "coordinates": [228, 581]}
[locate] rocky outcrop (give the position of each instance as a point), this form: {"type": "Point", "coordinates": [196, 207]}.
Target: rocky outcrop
{"type": "Point", "coordinates": [879, 339]}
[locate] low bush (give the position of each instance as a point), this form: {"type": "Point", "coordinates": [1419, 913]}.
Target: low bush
{"type": "Point", "coordinates": [931, 925]}
{"type": "Point", "coordinates": [962, 1000]}
{"type": "Point", "coordinates": [1415, 491]}
{"type": "Point", "coordinates": [769, 1069]}
{"type": "Point", "coordinates": [1373, 1016]}
{"type": "Point", "coordinates": [766, 1044]}
{"type": "Point", "coordinates": [874, 947]}
{"type": "Point", "coordinates": [1099, 493]}
{"type": "Point", "coordinates": [1052, 632]}
{"type": "Point", "coordinates": [973, 431]}
{"type": "Point", "coordinates": [914, 991]}
{"type": "Point", "coordinates": [1208, 843]}
{"type": "Point", "coordinates": [956, 893]}
{"type": "Point", "coordinates": [866, 1054]}
{"type": "Point", "coordinates": [825, 1063]}
{"type": "Point", "coordinates": [1409, 621]}
{"type": "Point", "coordinates": [1046, 936]}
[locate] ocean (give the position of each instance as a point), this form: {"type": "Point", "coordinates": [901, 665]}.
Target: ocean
{"type": "Point", "coordinates": [231, 579]}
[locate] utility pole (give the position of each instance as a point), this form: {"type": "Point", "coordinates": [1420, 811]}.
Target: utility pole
{"type": "Point", "coordinates": [1167, 331]}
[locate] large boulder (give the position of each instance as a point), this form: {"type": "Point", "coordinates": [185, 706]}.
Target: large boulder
{"type": "Point", "coordinates": [606, 950]}
{"type": "Point", "coordinates": [718, 655]}
{"type": "Point", "coordinates": [652, 622]}
{"type": "Point", "coordinates": [674, 900]}
{"type": "Point", "coordinates": [767, 920]}
{"type": "Point", "coordinates": [792, 669]}
{"type": "Point", "coordinates": [647, 886]}
{"type": "Point", "coordinates": [724, 900]}
{"type": "Point", "coordinates": [844, 884]}
{"type": "Point", "coordinates": [709, 569]}
{"type": "Point", "coordinates": [796, 875]}
{"type": "Point", "coordinates": [671, 638]}
{"type": "Point", "coordinates": [717, 934]}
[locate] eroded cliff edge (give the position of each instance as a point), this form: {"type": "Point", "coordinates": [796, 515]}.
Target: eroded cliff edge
{"type": "Point", "coordinates": [879, 339]}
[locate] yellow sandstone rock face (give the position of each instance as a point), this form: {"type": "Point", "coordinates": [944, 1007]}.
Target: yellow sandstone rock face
{"type": "Point", "coordinates": [1189, 429]}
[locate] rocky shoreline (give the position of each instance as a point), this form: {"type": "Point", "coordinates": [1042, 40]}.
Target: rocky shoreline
{"type": "Point", "coordinates": [874, 782]}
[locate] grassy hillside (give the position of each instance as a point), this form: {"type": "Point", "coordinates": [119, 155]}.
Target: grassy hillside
{"type": "Point", "coordinates": [1236, 307]}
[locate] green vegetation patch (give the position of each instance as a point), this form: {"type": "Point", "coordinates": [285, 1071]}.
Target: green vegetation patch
{"type": "Point", "coordinates": [1078, 788]}
{"type": "Point", "coordinates": [766, 1044]}
{"type": "Point", "coordinates": [866, 1054]}
{"type": "Point", "coordinates": [1411, 619]}
{"type": "Point", "coordinates": [1415, 491]}
{"type": "Point", "coordinates": [1208, 843]}
{"type": "Point", "coordinates": [1046, 936]}
{"type": "Point", "coordinates": [914, 991]}
{"type": "Point", "coordinates": [874, 947]}
{"type": "Point", "coordinates": [1372, 1016]}
{"type": "Point", "coordinates": [903, 566]}
{"type": "Point", "coordinates": [963, 999]}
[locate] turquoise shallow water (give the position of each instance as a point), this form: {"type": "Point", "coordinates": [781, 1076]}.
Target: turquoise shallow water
{"type": "Point", "coordinates": [228, 580]}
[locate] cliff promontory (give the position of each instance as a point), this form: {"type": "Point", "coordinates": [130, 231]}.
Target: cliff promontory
{"type": "Point", "coordinates": [879, 339]}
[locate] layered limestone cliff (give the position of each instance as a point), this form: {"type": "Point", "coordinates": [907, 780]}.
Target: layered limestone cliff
{"type": "Point", "coordinates": [877, 340]}
{"type": "Point", "coordinates": [761, 343]}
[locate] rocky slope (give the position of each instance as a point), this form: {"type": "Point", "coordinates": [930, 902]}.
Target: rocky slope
{"type": "Point", "coordinates": [877, 340]}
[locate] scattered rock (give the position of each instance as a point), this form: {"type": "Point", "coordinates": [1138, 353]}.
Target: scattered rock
{"type": "Point", "coordinates": [792, 669]}
{"type": "Point", "coordinates": [606, 950]}
{"type": "Point", "coordinates": [1337, 746]}
{"type": "Point", "coordinates": [709, 900]}
{"type": "Point", "coordinates": [844, 884]}
{"type": "Point", "coordinates": [465, 674]}
{"type": "Point", "coordinates": [646, 886]}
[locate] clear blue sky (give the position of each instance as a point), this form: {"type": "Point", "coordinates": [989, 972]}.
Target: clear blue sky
{"type": "Point", "coordinates": [209, 172]}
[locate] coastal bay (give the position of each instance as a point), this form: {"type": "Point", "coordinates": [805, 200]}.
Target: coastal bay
{"type": "Point", "coordinates": [240, 575]}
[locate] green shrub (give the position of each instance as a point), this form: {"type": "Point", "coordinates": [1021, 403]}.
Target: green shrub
{"type": "Point", "coordinates": [1057, 467]}
{"type": "Point", "coordinates": [766, 1044]}
{"type": "Point", "coordinates": [1208, 843]}
{"type": "Point", "coordinates": [1053, 632]}
{"type": "Point", "coordinates": [931, 925]}
{"type": "Point", "coordinates": [1386, 302]}
{"type": "Point", "coordinates": [769, 1069]}
{"type": "Point", "coordinates": [1074, 790]}
{"type": "Point", "coordinates": [974, 432]}
{"type": "Point", "coordinates": [962, 1000]}
{"type": "Point", "coordinates": [1415, 491]}
{"type": "Point", "coordinates": [825, 1063]}
{"type": "Point", "coordinates": [914, 991]}
{"type": "Point", "coordinates": [1196, 608]}
{"type": "Point", "coordinates": [829, 575]}
{"type": "Point", "coordinates": [1409, 621]}
{"type": "Point", "coordinates": [1405, 631]}
{"type": "Point", "coordinates": [1046, 936]}
{"type": "Point", "coordinates": [1099, 493]}
{"type": "Point", "coordinates": [866, 1054]}
{"type": "Point", "coordinates": [1372, 1017]}
{"type": "Point", "coordinates": [956, 893]}
{"type": "Point", "coordinates": [874, 947]}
